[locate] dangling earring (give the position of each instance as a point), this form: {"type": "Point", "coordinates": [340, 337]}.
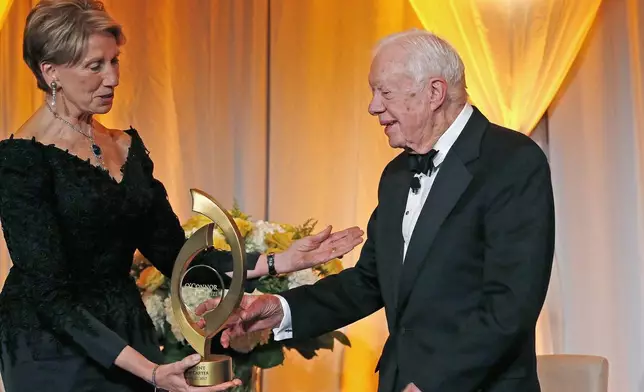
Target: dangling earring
{"type": "Point", "coordinates": [54, 87]}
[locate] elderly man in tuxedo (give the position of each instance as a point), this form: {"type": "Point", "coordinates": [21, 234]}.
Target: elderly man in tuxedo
{"type": "Point", "coordinates": [459, 248]}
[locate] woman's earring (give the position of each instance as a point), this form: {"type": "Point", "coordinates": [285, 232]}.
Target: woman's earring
{"type": "Point", "coordinates": [54, 87]}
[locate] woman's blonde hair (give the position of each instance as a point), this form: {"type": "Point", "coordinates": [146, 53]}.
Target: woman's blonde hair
{"type": "Point", "coordinates": [57, 32]}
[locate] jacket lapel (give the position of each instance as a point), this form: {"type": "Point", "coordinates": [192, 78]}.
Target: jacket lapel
{"type": "Point", "coordinates": [451, 181]}
{"type": "Point", "coordinates": [395, 192]}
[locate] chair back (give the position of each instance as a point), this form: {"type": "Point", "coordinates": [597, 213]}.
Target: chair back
{"type": "Point", "coordinates": [572, 373]}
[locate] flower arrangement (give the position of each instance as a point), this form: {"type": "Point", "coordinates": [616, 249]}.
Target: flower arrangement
{"type": "Point", "coordinates": [257, 350]}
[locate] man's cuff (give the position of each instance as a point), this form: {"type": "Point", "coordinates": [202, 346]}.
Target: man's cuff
{"type": "Point", "coordinates": [285, 330]}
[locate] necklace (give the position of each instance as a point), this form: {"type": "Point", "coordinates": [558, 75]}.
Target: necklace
{"type": "Point", "coordinates": [96, 149]}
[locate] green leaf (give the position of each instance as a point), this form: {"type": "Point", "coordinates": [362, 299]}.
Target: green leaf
{"type": "Point", "coordinates": [241, 388]}
{"type": "Point", "coordinates": [174, 351]}
{"type": "Point", "coordinates": [305, 229]}
{"type": "Point", "coordinates": [325, 341]}
{"type": "Point", "coordinates": [305, 352]}
{"type": "Point", "coordinates": [236, 212]}
{"type": "Point", "coordinates": [272, 284]}
{"type": "Point", "coordinates": [306, 347]}
{"type": "Point", "coordinates": [267, 356]}
{"type": "Point", "coordinates": [242, 367]}
{"type": "Point", "coordinates": [340, 337]}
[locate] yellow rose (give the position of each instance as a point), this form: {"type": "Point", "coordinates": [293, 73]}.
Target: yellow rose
{"type": "Point", "coordinates": [220, 243]}
{"type": "Point", "coordinates": [197, 221]}
{"type": "Point", "coordinates": [237, 213]}
{"type": "Point", "coordinates": [244, 226]}
{"type": "Point", "coordinates": [150, 279]}
{"type": "Point", "coordinates": [331, 267]}
{"type": "Point", "coordinates": [279, 240]}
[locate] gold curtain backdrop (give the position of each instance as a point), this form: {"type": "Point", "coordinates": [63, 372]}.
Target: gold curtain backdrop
{"type": "Point", "coordinates": [266, 103]}
{"type": "Point", "coordinates": [4, 8]}
{"type": "Point", "coordinates": [327, 153]}
{"type": "Point", "coordinates": [597, 158]}
{"type": "Point", "coordinates": [516, 53]}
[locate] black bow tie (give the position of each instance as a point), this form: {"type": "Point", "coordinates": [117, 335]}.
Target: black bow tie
{"type": "Point", "coordinates": [421, 163]}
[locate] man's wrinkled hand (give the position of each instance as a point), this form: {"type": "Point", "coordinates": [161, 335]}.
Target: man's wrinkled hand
{"type": "Point", "coordinates": [255, 313]}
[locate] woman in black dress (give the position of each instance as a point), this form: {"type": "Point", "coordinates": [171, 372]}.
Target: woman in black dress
{"type": "Point", "coordinates": [76, 201]}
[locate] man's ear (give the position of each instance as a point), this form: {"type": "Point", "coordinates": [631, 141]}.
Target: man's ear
{"type": "Point", "coordinates": [437, 91]}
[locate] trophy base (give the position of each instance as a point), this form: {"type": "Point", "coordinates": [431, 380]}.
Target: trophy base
{"type": "Point", "coordinates": [215, 370]}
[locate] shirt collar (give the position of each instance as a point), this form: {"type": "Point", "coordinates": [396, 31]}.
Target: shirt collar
{"type": "Point", "coordinates": [447, 139]}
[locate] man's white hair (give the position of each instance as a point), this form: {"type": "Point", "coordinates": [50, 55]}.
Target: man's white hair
{"type": "Point", "coordinates": [430, 56]}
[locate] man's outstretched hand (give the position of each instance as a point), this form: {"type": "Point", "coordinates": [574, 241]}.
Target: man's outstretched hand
{"type": "Point", "coordinates": [255, 313]}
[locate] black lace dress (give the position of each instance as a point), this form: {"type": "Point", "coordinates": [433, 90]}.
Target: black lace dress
{"type": "Point", "coordinates": [69, 305]}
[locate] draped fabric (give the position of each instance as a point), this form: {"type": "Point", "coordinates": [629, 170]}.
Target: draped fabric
{"type": "Point", "coordinates": [193, 82]}
{"type": "Point", "coordinates": [320, 57]}
{"type": "Point", "coordinates": [18, 95]}
{"type": "Point", "coordinates": [516, 53]}
{"type": "Point", "coordinates": [596, 148]}
{"type": "Point", "coordinates": [550, 323]}
{"type": "Point", "coordinates": [266, 103]}
{"type": "Point", "coordinates": [4, 9]}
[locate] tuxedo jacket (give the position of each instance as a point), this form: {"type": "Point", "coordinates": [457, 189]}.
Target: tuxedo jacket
{"type": "Point", "coordinates": [462, 308]}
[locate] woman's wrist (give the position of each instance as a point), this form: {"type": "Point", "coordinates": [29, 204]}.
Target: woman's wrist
{"type": "Point", "coordinates": [132, 361]}
{"type": "Point", "coordinates": [153, 379]}
{"type": "Point", "coordinates": [270, 262]}
{"type": "Point", "coordinates": [285, 262]}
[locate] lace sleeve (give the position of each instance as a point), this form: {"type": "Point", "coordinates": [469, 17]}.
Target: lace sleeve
{"type": "Point", "coordinates": [34, 242]}
{"type": "Point", "coordinates": [163, 237]}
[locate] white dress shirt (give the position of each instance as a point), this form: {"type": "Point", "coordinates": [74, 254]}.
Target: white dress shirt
{"type": "Point", "coordinates": [415, 202]}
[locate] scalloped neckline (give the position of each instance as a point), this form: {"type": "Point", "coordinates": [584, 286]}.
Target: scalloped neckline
{"type": "Point", "coordinates": [87, 162]}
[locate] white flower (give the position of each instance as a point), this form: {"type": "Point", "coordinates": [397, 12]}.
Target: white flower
{"type": "Point", "coordinates": [155, 308]}
{"type": "Point", "coordinates": [159, 306]}
{"type": "Point", "coordinates": [249, 246]}
{"type": "Point", "coordinates": [301, 278]}
{"type": "Point", "coordinates": [255, 240]}
{"type": "Point", "coordinates": [193, 295]}
{"type": "Point", "coordinates": [174, 327]}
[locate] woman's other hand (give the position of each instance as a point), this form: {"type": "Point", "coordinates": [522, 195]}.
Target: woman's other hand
{"type": "Point", "coordinates": [171, 377]}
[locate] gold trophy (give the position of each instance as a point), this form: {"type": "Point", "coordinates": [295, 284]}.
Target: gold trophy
{"type": "Point", "coordinates": [213, 369]}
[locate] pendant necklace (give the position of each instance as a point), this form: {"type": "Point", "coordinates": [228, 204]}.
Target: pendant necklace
{"type": "Point", "coordinates": [96, 149]}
